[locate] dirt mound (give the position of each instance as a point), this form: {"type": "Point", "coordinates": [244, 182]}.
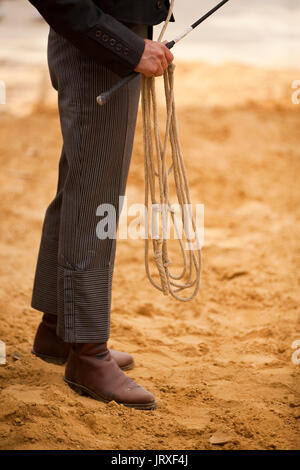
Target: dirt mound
{"type": "Point", "coordinates": [220, 366]}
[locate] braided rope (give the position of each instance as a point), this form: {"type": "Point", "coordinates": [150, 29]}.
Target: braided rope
{"type": "Point", "coordinates": [157, 176]}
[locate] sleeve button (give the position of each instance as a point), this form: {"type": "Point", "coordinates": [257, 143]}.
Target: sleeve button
{"type": "Point", "coordinates": [98, 33]}
{"type": "Point", "coordinates": [112, 42]}
{"type": "Point", "coordinates": [105, 37]}
{"type": "Point", "coordinates": [126, 51]}
{"type": "Point", "coordinates": [118, 47]}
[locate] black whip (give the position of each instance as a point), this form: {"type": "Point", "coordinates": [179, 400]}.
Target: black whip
{"type": "Point", "coordinates": [106, 96]}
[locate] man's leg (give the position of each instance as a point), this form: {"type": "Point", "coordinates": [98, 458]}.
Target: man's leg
{"type": "Point", "coordinates": [98, 145]}
{"type": "Point", "coordinates": [46, 344]}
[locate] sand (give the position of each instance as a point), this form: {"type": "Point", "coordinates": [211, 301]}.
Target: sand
{"type": "Point", "coordinates": [219, 366]}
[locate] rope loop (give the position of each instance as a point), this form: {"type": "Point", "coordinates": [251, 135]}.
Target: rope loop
{"type": "Point", "coordinates": [157, 184]}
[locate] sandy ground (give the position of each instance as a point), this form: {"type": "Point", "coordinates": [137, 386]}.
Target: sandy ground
{"type": "Point", "coordinates": [220, 364]}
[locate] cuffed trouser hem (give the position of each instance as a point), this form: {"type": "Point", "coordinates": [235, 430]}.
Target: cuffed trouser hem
{"type": "Point", "coordinates": [84, 299]}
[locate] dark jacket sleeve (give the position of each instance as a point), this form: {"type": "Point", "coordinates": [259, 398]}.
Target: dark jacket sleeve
{"type": "Point", "coordinates": [96, 34]}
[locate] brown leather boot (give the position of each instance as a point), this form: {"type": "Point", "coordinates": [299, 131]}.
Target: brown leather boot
{"type": "Point", "coordinates": [51, 348]}
{"type": "Point", "coordinates": [91, 371]}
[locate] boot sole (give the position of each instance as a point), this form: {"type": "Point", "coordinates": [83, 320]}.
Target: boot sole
{"type": "Point", "coordinates": [129, 366]}
{"type": "Point", "coordinates": [61, 361]}
{"type": "Point", "coordinates": [84, 391]}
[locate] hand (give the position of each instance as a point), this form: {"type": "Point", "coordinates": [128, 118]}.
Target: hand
{"type": "Point", "coordinates": [155, 59]}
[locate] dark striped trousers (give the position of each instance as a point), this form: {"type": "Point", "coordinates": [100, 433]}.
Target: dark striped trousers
{"type": "Point", "coordinates": [75, 268]}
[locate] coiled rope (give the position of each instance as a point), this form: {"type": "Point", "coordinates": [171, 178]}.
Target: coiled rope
{"type": "Point", "coordinates": [157, 182]}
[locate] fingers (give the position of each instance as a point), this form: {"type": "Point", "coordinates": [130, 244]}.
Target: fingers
{"type": "Point", "coordinates": [165, 57]}
{"type": "Point", "coordinates": [155, 59]}
{"type": "Point", "coordinates": [168, 54]}
{"type": "Point", "coordinates": [160, 71]}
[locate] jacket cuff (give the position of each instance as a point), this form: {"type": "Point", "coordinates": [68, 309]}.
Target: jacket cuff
{"type": "Point", "coordinates": [125, 44]}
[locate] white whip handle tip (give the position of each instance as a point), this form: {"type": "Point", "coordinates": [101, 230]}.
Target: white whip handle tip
{"type": "Point", "coordinates": [183, 34]}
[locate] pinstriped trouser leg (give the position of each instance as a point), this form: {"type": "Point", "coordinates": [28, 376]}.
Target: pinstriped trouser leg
{"type": "Point", "coordinates": [75, 268]}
